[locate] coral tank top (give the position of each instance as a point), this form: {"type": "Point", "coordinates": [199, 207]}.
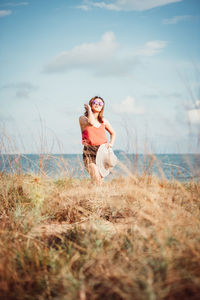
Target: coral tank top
{"type": "Point", "coordinates": [94, 136]}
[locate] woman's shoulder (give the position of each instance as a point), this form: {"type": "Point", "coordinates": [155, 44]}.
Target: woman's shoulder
{"type": "Point", "coordinates": [83, 119]}
{"type": "Point", "coordinates": [105, 121]}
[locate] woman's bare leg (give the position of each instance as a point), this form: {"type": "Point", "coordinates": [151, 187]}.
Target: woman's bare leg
{"type": "Point", "coordinates": [94, 173]}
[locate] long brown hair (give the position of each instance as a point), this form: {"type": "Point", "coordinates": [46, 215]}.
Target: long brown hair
{"type": "Point", "coordinates": [100, 115]}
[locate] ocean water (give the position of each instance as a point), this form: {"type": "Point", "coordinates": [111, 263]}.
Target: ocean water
{"type": "Point", "coordinates": [182, 167]}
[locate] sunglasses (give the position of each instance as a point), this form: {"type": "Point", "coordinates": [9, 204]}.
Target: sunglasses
{"type": "Point", "coordinates": [100, 103]}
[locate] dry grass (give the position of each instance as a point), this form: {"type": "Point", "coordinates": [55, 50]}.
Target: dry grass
{"type": "Point", "coordinates": [132, 238]}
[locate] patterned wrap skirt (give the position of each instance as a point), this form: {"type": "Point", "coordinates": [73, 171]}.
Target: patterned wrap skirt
{"type": "Point", "coordinates": [89, 154]}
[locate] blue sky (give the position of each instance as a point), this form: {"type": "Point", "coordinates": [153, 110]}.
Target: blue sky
{"type": "Point", "coordinates": [141, 56]}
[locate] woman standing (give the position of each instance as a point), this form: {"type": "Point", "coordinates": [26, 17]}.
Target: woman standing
{"type": "Point", "coordinates": [93, 127]}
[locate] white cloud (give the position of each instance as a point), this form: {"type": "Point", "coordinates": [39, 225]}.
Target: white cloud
{"type": "Point", "coordinates": [128, 106]}
{"type": "Point", "coordinates": [194, 114]}
{"type": "Point", "coordinates": [85, 55]}
{"type": "Point", "coordinates": [22, 89]}
{"type": "Point", "coordinates": [4, 13]}
{"type": "Point", "coordinates": [83, 7]}
{"type": "Point", "coordinates": [105, 57]}
{"type": "Point", "coordinates": [151, 48]}
{"type": "Point", "coordinates": [106, 6]}
{"type": "Point", "coordinates": [197, 103]}
{"type": "Point", "coordinates": [14, 4]}
{"type": "Point", "coordinates": [138, 5]}
{"type": "Point", "coordinates": [176, 19]}
{"type": "Point", "coordinates": [7, 12]}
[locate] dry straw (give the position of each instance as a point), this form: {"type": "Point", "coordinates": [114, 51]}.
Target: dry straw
{"type": "Point", "coordinates": [134, 237]}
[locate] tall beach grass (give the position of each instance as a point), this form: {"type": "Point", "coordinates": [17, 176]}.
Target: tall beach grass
{"type": "Point", "coordinates": [135, 237]}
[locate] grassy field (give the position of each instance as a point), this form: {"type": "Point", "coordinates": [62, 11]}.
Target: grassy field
{"type": "Point", "coordinates": [131, 238]}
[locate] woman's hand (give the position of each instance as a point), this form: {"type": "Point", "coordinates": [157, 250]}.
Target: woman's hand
{"type": "Point", "coordinates": [111, 131]}
{"type": "Point", "coordinates": [109, 145]}
{"type": "Point", "coordinates": [90, 116]}
{"type": "Point", "coordinates": [87, 107]}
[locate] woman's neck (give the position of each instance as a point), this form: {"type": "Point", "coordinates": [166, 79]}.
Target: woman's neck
{"type": "Point", "coordinates": [95, 114]}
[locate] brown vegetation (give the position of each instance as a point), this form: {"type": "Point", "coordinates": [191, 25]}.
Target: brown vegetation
{"type": "Point", "coordinates": [131, 238]}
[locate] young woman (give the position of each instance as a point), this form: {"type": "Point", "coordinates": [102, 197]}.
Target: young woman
{"type": "Point", "coordinates": [93, 127]}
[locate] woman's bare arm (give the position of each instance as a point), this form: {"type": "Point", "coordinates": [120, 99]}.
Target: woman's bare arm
{"type": "Point", "coordinates": [111, 131]}
{"type": "Point", "coordinates": [90, 117]}
{"type": "Point", "coordinates": [83, 121]}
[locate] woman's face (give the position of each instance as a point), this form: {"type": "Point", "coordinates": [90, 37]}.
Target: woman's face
{"type": "Point", "coordinates": [97, 105]}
